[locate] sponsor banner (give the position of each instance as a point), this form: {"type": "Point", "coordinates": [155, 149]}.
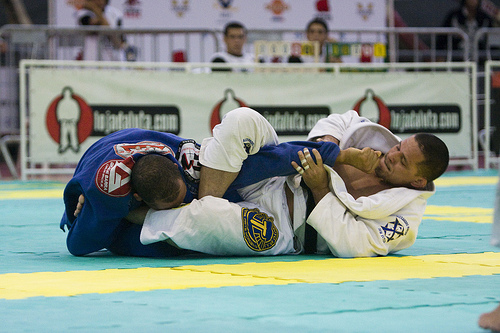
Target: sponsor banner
{"type": "Point", "coordinates": [292, 120]}
{"type": "Point", "coordinates": [214, 14]}
{"type": "Point", "coordinates": [70, 109]}
{"type": "Point", "coordinates": [111, 118]}
{"type": "Point", "coordinates": [425, 118]}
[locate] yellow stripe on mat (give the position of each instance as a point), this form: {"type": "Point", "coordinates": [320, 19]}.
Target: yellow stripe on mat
{"type": "Point", "coordinates": [459, 214]}
{"type": "Point", "coordinates": [19, 286]}
{"type": "Point", "coordinates": [32, 194]}
{"type": "Point", "coordinates": [461, 181]}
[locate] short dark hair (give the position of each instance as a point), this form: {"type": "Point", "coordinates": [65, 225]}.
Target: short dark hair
{"type": "Point", "coordinates": [234, 25]}
{"type": "Point", "coordinates": [155, 177]}
{"type": "Point", "coordinates": [436, 156]}
{"type": "Point", "coordinates": [317, 21]}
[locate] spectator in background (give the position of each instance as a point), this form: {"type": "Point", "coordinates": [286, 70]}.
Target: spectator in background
{"type": "Point", "coordinates": [469, 17]}
{"type": "Point", "coordinates": [235, 37]}
{"type": "Point", "coordinates": [317, 31]}
{"type": "Point", "coordinates": [3, 52]}
{"type": "Point", "coordinates": [99, 13]}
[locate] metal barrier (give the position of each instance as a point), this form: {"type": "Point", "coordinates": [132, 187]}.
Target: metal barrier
{"type": "Point", "coordinates": [492, 152]}
{"type": "Point", "coordinates": [486, 46]}
{"type": "Point", "coordinates": [158, 45]}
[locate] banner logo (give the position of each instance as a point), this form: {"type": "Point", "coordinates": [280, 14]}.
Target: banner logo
{"type": "Point", "coordinates": [259, 231]}
{"type": "Point", "coordinates": [216, 116]}
{"type": "Point", "coordinates": [365, 12]}
{"type": "Point", "coordinates": [323, 8]}
{"type": "Point", "coordinates": [132, 9]}
{"type": "Point", "coordinates": [180, 7]}
{"type": "Point", "coordinates": [225, 4]}
{"type": "Point", "coordinates": [293, 120]}
{"type": "Point", "coordinates": [112, 118]}
{"type": "Point", "coordinates": [413, 118]}
{"type": "Point", "coordinates": [226, 10]}
{"type": "Point", "coordinates": [444, 118]}
{"type": "Point", "coordinates": [384, 116]}
{"type": "Point", "coordinates": [277, 8]}
{"type": "Point", "coordinates": [286, 120]}
{"type": "Point", "coordinates": [69, 120]}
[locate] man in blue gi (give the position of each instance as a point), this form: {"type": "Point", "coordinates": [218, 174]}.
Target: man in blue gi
{"type": "Point", "coordinates": [104, 177]}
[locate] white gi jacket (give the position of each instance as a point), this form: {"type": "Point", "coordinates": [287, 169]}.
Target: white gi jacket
{"type": "Point", "coordinates": [245, 58]}
{"type": "Point", "coordinates": [376, 225]}
{"type": "Point", "coordinates": [379, 224]}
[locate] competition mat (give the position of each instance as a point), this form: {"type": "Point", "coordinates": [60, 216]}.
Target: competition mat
{"type": "Point", "coordinates": [441, 284]}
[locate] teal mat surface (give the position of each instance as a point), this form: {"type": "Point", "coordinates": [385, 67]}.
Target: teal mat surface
{"type": "Point", "coordinates": [31, 242]}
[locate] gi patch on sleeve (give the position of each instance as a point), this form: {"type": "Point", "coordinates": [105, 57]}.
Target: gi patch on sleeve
{"type": "Point", "coordinates": [113, 177]}
{"type": "Point", "coordinates": [259, 231]}
{"type": "Point", "coordinates": [248, 145]}
{"type": "Point", "coordinates": [395, 229]}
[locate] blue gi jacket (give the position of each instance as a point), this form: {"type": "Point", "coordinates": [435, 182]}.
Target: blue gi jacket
{"type": "Point", "coordinates": [103, 177]}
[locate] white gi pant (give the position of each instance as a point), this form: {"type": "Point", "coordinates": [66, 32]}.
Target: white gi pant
{"type": "Point", "coordinates": [261, 225]}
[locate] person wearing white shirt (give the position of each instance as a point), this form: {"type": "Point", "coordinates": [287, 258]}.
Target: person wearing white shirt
{"type": "Point", "coordinates": [235, 37]}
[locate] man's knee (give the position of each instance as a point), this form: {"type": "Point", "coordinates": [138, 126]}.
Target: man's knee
{"type": "Point", "coordinates": [243, 115]}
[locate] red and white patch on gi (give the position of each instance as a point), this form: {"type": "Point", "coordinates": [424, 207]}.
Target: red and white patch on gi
{"type": "Point", "coordinates": [113, 177]}
{"type": "Point", "coordinates": [144, 147]}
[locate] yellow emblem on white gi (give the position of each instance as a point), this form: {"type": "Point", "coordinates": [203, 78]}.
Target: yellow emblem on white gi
{"type": "Point", "coordinates": [259, 231]}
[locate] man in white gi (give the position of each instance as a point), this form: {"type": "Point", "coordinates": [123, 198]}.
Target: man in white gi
{"type": "Point", "coordinates": [356, 214]}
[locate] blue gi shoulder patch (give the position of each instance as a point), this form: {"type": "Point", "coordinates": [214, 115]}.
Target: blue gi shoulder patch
{"type": "Point", "coordinates": [259, 231]}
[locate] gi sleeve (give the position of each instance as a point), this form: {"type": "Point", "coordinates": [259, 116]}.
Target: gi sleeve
{"type": "Point", "coordinates": [335, 125]}
{"type": "Point", "coordinates": [350, 235]}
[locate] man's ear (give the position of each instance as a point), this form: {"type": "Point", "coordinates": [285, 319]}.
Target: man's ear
{"type": "Point", "coordinates": [137, 197]}
{"type": "Point", "coordinates": [419, 183]}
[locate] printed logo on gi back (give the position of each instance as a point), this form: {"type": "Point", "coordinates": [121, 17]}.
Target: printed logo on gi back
{"type": "Point", "coordinates": [395, 229]}
{"type": "Point", "coordinates": [144, 147]}
{"type": "Point", "coordinates": [113, 177]}
{"type": "Point", "coordinates": [259, 231]}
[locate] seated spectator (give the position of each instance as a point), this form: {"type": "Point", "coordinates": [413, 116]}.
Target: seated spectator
{"type": "Point", "coordinates": [469, 18]}
{"type": "Point", "coordinates": [235, 37]}
{"type": "Point", "coordinates": [3, 52]}
{"type": "Point", "coordinates": [115, 48]}
{"type": "Point", "coordinates": [317, 31]}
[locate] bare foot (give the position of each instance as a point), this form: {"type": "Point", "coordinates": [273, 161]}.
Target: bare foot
{"type": "Point", "coordinates": [491, 320]}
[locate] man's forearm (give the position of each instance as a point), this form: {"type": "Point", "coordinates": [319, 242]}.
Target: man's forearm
{"type": "Point", "coordinates": [138, 215]}
{"type": "Point", "coordinates": [214, 182]}
{"type": "Point", "coordinates": [365, 159]}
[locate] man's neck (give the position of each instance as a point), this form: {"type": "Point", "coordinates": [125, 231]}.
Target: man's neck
{"type": "Point", "coordinates": [359, 183]}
